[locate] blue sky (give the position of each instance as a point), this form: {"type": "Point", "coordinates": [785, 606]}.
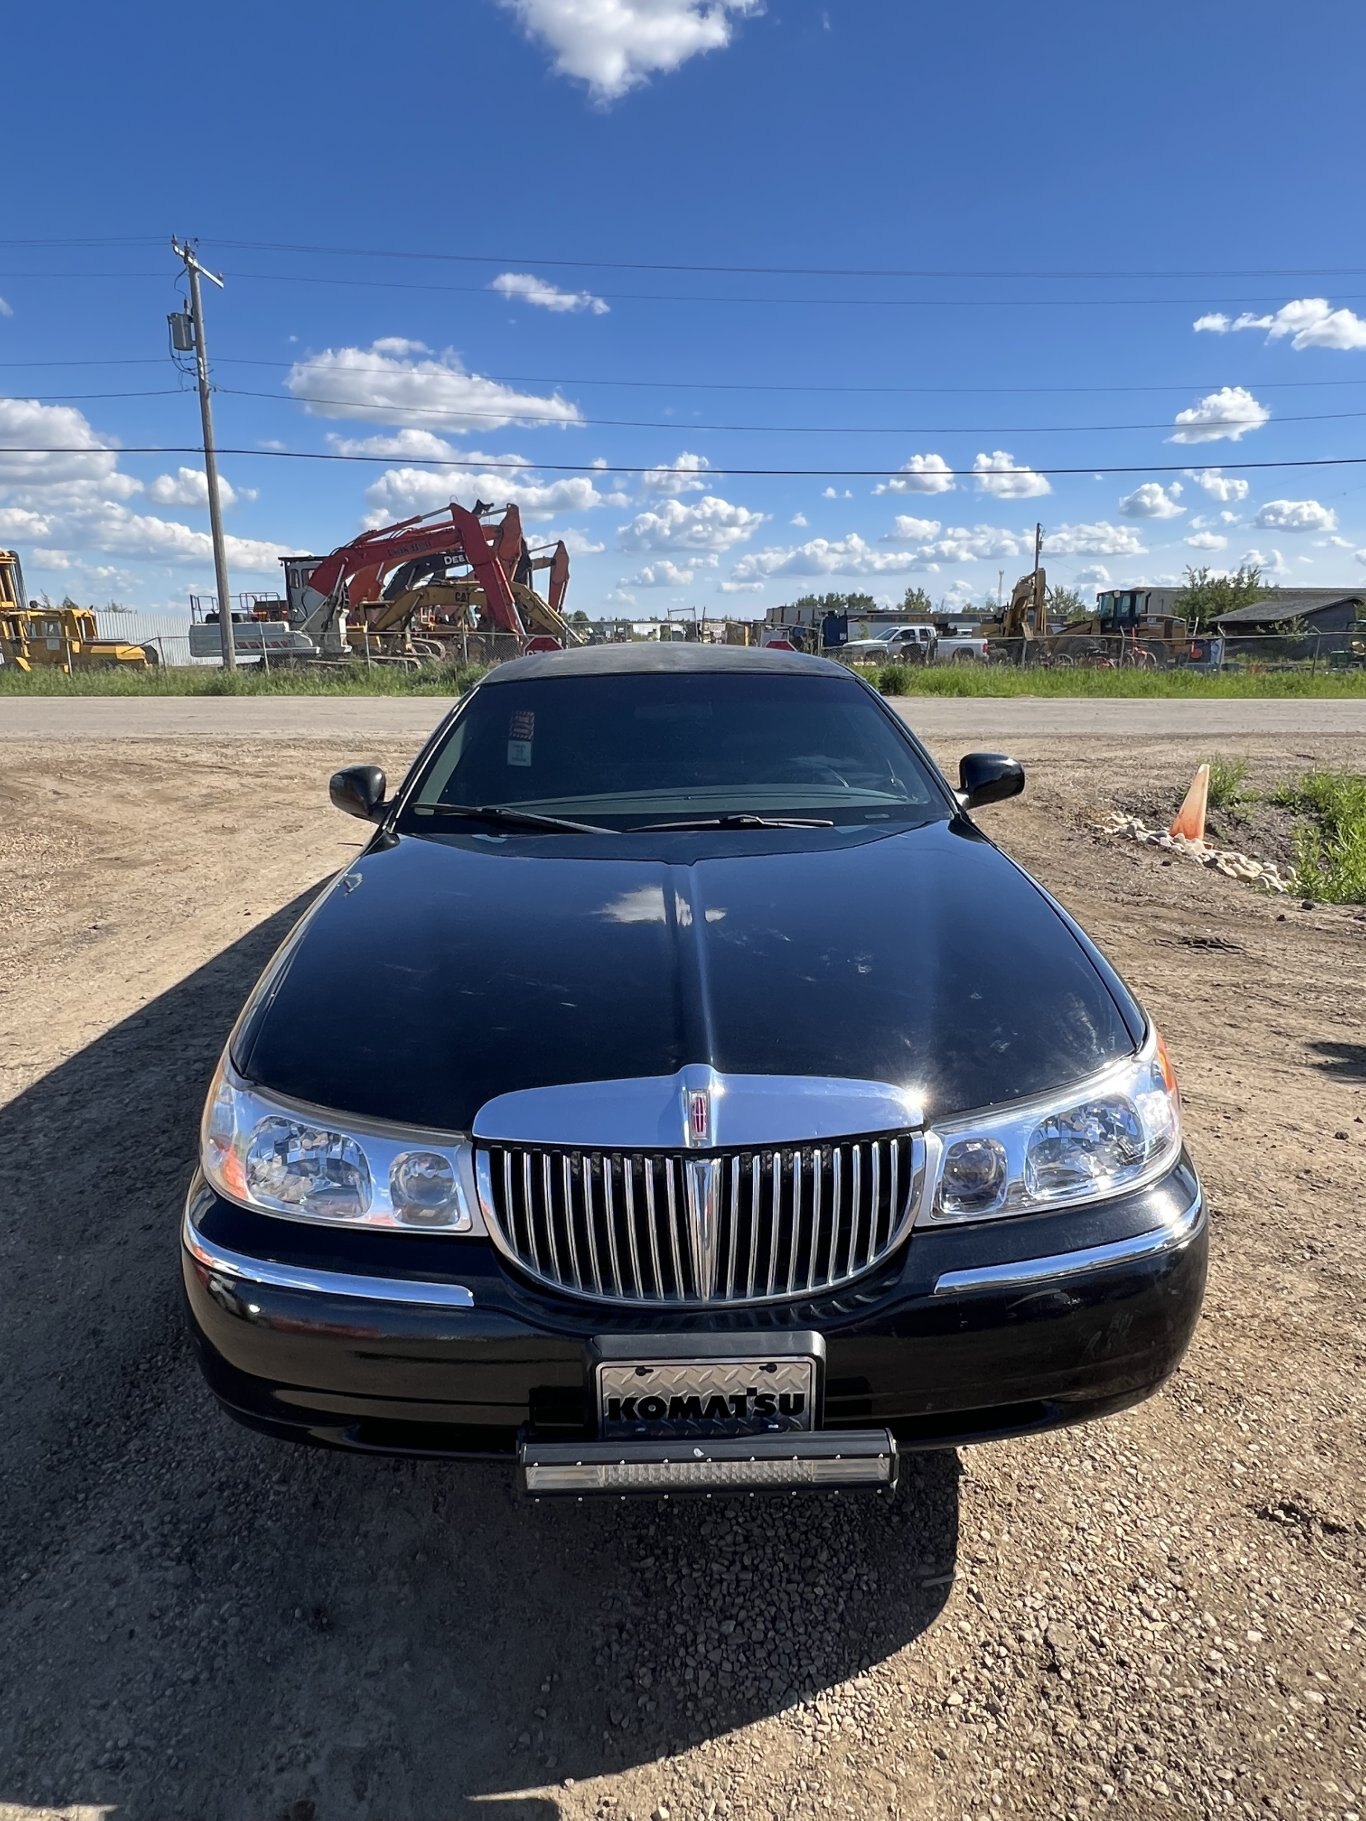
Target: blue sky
{"type": "Point", "coordinates": [447, 236]}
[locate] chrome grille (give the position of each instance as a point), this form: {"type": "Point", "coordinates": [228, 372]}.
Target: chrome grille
{"type": "Point", "coordinates": [682, 1227]}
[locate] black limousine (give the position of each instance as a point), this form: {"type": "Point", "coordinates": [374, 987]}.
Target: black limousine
{"type": "Point", "coordinates": [681, 1093]}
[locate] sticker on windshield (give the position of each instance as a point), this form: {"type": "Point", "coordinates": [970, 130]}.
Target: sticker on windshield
{"type": "Point", "coordinates": [521, 732]}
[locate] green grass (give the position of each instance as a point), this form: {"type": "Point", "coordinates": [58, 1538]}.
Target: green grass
{"type": "Point", "coordinates": [892, 679]}
{"type": "Point", "coordinates": [1331, 845]}
{"type": "Point", "coordinates": [1227, 778]}
{"type": "Point", "coordinates": [203, 680]}
{"type": "Point", "coordinates": [1008, 680]}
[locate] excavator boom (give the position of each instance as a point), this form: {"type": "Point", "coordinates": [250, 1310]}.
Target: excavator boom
{"type": "Point", "coordinates": [356, 570]}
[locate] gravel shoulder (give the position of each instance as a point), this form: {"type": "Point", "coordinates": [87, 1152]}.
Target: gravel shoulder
{"type": "Point", "coordinates": [1158, 1616]}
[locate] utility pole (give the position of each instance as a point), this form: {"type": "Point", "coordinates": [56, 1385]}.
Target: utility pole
{"type": "Point", "coordinates": [1040, 624]}
{"type": "Point", "coordinates": [194, 271]}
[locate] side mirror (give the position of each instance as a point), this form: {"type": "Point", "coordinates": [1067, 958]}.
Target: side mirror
{"type": "Point", "coordinates": [359, 790]}
{"type": "Point", "coordinates": [988, 777]}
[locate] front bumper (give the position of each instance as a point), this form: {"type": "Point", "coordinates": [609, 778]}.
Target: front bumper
{"type": "Point", "coordinates": [418, 1344]}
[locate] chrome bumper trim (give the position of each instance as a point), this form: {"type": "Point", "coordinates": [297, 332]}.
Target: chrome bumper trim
{"type": "Point", "coordinates": [1021, 1273]}
{"type": "Point", "coordinates": [243, 1268]}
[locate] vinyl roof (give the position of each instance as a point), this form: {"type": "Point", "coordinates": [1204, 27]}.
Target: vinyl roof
{"type": "Point", "coordinates": [648, 657]}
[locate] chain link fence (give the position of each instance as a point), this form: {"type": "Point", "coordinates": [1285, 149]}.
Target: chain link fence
{"type": "Point", "coordinates": [1308, 652]}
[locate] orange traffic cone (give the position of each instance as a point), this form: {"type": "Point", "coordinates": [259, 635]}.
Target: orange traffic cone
{"type": "Point", "coordinates": [1190, 818]}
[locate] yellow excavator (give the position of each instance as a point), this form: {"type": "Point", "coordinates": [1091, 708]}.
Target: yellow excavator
{"type": "Point", "coordinates": [65, 638]}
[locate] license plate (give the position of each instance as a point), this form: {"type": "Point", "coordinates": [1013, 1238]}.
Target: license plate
{"type": "Point", "coordinates": [705, 1398]}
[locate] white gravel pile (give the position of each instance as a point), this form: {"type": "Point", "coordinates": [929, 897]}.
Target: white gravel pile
{"type": "Point", "coordinates": [1220, 859]}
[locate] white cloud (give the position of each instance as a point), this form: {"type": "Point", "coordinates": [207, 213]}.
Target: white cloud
{"type": "Point", "coordinates": [1295, 515]}
{"type": "Point", "coordinates": [824, 556]}
{"type": "Point", "coordinates": [852, 555]}
{"type": "Point", "coordinates": [546, 296]}
{"type": "Point", "coordinates": [833, 493]}
{"type": "Point", "coordinates": [618, 597]}
{"type": "Point", "coordinates": [1337, 543]}
{"type": "Point", "coordinates": [972, 543]}
{"type": "Point", "coordinates": [682, 475]}
{"type": "Point", "coordinates": [1219, 486]}
{"type": "Point", "coordinates": [400, 492]}
{"type": "Point", "coordinates": [91, 472]}
{"type": "Point", "coordinates": [709, 524]}
{"type": "Point", "coordinates": [1229, 518]}
{"type": "Point", "coordinates": [758, 587]}
{"type": "Point", "coordinates": [6, 309]}
{"type": "Point", "coordinates": [800, 520]}
{"type": "Point", "coordinates": [403, 381]}
{"type": "Point", "coordinates": [1310, 322]}
{"type": "Point", "coordinates": [409, 445]}
{"type": "Point", "coordinates": [111, 527]}
{"type": "Point", "coordinates": [575, 542]}
{"type": "Point", "coordinates": [69, 502]}
{"type": "Point", "coordinates": [909, 530]}
{"type": "Point", "coordinates": [615, 45]}
{"type": "Point", "coordinates": [1207, 540]}
{"type": "Point", "coordinates": [1152, 500]}
{"type": "Point", "coordinates": [1270, 562]}
{"type": "Point", "coordinates": [1228, 413]}
{"type": "Point", "coordinates": [19, 525]}
{"type": "Point", "coordinates": [1000, 474]}
{"type": "Point", "coordinates": [1096, 576]}
{"type": "Point", "coordinates": [1097, 539]}
{"type": "Point", "coordinates": [665, 573]}
{"type": "Point", "coordinates": [190, 487]}
{"type": "Point", "coordinates": [921, 474]}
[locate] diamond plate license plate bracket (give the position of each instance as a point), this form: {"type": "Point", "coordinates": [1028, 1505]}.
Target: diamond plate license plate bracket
{"type": "Point", "coordinates": [662, 1386]}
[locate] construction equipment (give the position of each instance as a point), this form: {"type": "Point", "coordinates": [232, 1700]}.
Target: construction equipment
{"type": "Point", "coordinates": [1125, 629]}
{"type": "Point", "coordinates": [65, 638]}
{"type": "Point", "coordinates": [413, 591]}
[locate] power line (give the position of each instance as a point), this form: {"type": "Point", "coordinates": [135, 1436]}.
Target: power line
{"type": "Point", "coordinates": [644, 423]}
{"type": "Point", "coordinates": [66, 398]}
{"type": "Point", "coordinates": [501, 418]}
{"type": "Point", "coordinates": [712, 385]}
{"type": "Point", "coordinates": [591, 468]}
{"type": "Point", "coordinates": [657, 297]}
{"type": "Point", "coordinates": [635, 265]}
{"type": "Point", "coordinates": [638, 265]}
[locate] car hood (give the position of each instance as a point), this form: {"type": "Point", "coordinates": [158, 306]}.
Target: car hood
{"type": "Point", "coordinates": [438, 973]}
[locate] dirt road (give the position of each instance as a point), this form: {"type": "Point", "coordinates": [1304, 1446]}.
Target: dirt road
{"type": "Point", "coordinates": [401, 720]}
{"type": "Point", "coordinates": [1156, 1617]}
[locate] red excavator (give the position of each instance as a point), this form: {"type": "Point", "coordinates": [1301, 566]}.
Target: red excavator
{"type": "Point", "coordinates": [344, 602]}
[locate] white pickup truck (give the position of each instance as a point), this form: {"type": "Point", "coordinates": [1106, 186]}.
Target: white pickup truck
{"type": "Point", "coordinates": [915, 642]}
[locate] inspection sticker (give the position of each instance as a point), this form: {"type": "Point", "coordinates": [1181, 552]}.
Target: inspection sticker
{"type": "Point", "coordinates": [519, 752]}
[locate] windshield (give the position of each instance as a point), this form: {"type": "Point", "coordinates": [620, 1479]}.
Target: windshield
{"type": "Point", "coordinates": [626, 750]}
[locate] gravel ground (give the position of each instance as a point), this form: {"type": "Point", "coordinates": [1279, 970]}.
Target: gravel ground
{"type": "Point", "coordinates": [1157, 1616]}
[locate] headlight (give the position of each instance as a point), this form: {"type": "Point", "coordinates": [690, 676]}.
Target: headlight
{"type": "Point", "coordinates": [343, 1172]}
{"type": "Point", "coordinates": [1113, 1133]}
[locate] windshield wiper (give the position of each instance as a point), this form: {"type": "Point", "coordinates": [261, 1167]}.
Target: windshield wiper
{"type": "Point", "coordinates": [510, 818]}
{"type": "Point", "coordinates": [740, 819]}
